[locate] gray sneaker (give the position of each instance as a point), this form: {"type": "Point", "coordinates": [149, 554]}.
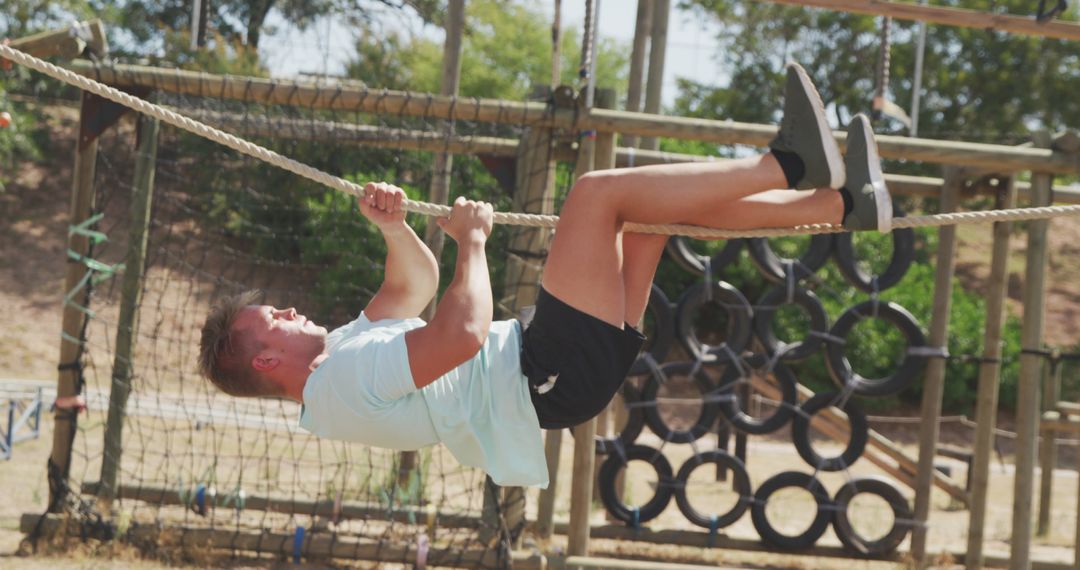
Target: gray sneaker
{"type": "Point", "coordinates": [871, 204]}
{"type": "Point", "coordinates": [805, 132]}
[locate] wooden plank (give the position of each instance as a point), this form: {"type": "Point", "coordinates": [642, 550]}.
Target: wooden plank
{"type": "Point", "coordinates": [986, 405]}
{"type": "Point", "coordinates": [130, 296]}
{"type": "Point", "coordinates": [65, 42]}
{"type": "Point", "coordinates": [934, 380]}
{"type": "Point", "coordinates": [1027, 391]}
{"type": "Point", "coordinates": [316, 546]}
{"type": "Point", "coordinates": [1024, 25]}
{"type": "Point", "coordinates": [345, 97]}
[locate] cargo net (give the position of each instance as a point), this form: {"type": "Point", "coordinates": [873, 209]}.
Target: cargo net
{"type": "Point", "coordinates": [239, 473]}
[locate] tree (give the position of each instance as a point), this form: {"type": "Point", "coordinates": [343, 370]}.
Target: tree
{"type": "Point", "coordinates": [492, 64]}
{"type": "Point", "coordinates": [244, 21]}
{"type": "Point", "coordinates": [979, 85]}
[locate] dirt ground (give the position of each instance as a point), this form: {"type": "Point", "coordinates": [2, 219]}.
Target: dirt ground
{"type": "Point", "coordinates": [33, 229]}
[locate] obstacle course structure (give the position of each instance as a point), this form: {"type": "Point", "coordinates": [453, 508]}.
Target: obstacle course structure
{"type": "Point", "coordinates": [260, 464]}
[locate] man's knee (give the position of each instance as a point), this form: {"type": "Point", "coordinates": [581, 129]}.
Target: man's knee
{"type": "Point", "coordinates": [593, 191]}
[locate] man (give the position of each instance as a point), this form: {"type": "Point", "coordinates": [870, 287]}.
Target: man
{"type": "Point", "coordinates": [485, 389]}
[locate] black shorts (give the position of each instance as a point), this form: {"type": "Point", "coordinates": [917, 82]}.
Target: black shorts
{"type": "Point", "coordinates": [588, 358]}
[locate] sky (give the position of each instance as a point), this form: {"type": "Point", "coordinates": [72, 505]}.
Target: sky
{"type": "Point", "coordinates": [324, 48]}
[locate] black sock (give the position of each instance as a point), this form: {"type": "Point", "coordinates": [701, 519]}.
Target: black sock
{"type": "Point", "coordinates": [792, 165]}
{"type": "Point", "coordinates": [848, 205]}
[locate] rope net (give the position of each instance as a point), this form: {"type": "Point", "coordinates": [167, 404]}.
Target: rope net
{"type": "Point", "coordinates": [223, 223]}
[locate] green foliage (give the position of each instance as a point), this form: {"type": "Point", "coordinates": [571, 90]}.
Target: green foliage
{"type": "Point", "coordinates": [965, 98]}
{"type": "Point", "coordinates": [491, 66]}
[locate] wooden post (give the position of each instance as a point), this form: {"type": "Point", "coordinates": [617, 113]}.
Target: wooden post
{"type": "Point", "coordinates": [536, 184]}
{"type": "Point", "coordinates": [657, 54]}
{"type": "Point", "coordinates": [556, 45]}
{"type": "Point", "coordinates": [934, 383]}
{"type": "Point", "coordinates": [127, 324]}
{"type": "Point", "coordinates": [1027, 396]}
{"type": "Point", "coordinates": [439, 191]}
{"type": "Point", "coordinates": [642, 29]}
{"type": "Point", "coordinates": [1048, 445]}
{"type": "Point", "coordinates": [1076, 535]}
{"type": "Point", "coordinates": [989, 381]}
{"type": "Point", "coordinates": [589, 154]}
{"type": "Point", "coordinates": [68, 381]}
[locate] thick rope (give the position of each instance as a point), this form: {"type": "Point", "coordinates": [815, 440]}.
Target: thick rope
{"type": "Point", "coordinates": [531, 220]}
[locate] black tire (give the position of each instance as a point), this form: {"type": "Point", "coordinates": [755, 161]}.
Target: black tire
{"type": "Point", "coordinates": [817, 528]}
{"type": "Point", "coordinates": [774, 268]}
{"type": "Point", "coordinates": [609, 471]}
{"type": "Point", "coordinates": [657, 344]}
{"type": "Point", "coordinates": [739, 328]}
{"type": "Point", "coordinates": [903, 516]}
{"type": "Point", "coordinates": [740, 482]}
{"type": "Point", "coordinates": [805, 299]}
{"type": "Point", "coordinates": [727, 397]}
{"type": "Point", "coordinates": [694, 262]}
{"type": "Point", "coordinates": [800, 433]}
{"type": "Point", "coordinates": [635, 422]}
{"type": "Point", "coordinates": [910, 368]}
{"type": "Point", "coordinates": [902, 258]}
{"type": "Point", "coordinates": [709, 409]}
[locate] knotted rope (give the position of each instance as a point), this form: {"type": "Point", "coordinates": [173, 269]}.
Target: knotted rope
{"type": "Point", "coordinates": [531, 220]}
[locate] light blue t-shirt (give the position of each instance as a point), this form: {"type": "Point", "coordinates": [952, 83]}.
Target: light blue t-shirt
{"type": "Point", "coordinates": [364, 392]}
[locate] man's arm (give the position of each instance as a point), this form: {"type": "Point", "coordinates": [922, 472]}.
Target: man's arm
{"type": "Point", "coordinates": [463, 317]}
{"type": "Point", "coordinates": [411, 275]}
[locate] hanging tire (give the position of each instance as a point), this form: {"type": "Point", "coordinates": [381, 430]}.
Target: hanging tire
{"type": "Point", "coordinates": [727, 397]}
{"type": "Point", "coordinates": [910, 368]}
{"type": "Point", "coordinates": [739, 328]}
{"type": "Point", "coordinates": [740, 482]}
{"type": "Point", "coordinates": [807, 538]}
{"type": "Point", "coordinates": [774, 268]}
{"type": "Point", "coordinates": [800, 433]}
{"type": "Point", "coordinates": [902, 257]}
{"type": "Point", "coordinates": [903, 517]}
{"type": "Point", "coordinates": [635, 422]}
{"type": "Point", "coordinates": [766, 310]}
{"type": "Point", "coordinates": [609, 472]}
{"type": "Point", "coordinates": [658, 344]}
{"type": "Point", "coordinates": [709, 409]}
{"type": "Point", "coordinates": [694, 262]}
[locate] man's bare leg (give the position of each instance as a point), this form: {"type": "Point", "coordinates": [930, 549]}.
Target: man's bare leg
{"type": "Point", "coordinates": [585, 266]}
{"type": "Point", "coordinates": [641, 253]}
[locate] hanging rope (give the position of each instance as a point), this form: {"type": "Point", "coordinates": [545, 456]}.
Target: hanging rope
{"type": "Point", "coordinates": [531, 220]}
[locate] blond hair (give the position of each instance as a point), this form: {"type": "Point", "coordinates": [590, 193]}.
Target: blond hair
{"type": "Point", "coordinates": [225, 354]}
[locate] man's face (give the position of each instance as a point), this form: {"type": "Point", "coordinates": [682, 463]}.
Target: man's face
{"type": "Point", "coordinates": [286, 335]}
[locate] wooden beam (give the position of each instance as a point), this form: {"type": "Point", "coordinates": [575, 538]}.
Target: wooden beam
{"type": "Point", "coordinates": [341, 96]}
{"type": "Point", "coordinates": [68, 42]}
{"type": "Point", "coordinates": [1024, 25]}
{"type": "Point", "coordinates": [316, 545]}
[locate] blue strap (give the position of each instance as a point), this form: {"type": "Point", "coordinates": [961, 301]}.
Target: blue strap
{"type": "Point", "coordinates": [298, 544]}
{"type": "Point", "coordinates": [714, 526]}
{"type": "Point", "coordinates": [200, 499]}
